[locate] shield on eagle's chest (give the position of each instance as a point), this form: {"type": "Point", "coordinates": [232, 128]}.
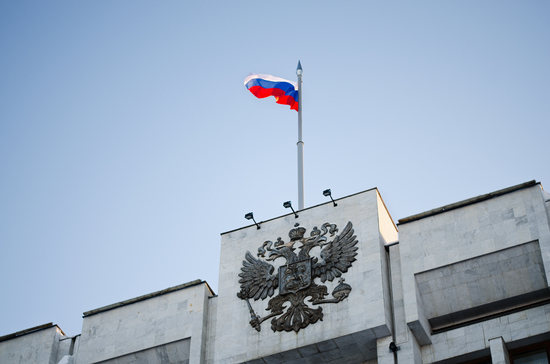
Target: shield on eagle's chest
{"type": "Point", "coordinates": [294, 277]}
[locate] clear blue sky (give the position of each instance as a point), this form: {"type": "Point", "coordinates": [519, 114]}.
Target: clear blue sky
{"type": "Point", "coordinates": [128, 141]}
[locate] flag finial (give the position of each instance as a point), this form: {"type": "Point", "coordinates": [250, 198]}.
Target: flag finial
{"type": "Point", "coordinates": [299, 68]}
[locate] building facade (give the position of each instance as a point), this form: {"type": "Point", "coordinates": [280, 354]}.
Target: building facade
{"type": "Point", "coordinates": [341, 283]}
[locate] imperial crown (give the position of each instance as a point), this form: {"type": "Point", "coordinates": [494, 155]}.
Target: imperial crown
{"type": "Point", "coordinates": [297, 233]}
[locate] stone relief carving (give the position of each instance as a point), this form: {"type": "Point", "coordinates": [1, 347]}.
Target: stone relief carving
{"type": "Point", "coordinates": [295, 279]}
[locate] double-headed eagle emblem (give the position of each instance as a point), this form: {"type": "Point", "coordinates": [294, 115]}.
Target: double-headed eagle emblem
{"type": "Point", "coordinates": [295, 279]}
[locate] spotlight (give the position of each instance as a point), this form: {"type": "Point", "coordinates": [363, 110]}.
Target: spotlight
{"type": "Point", "coordinates": [250, 216]}
{"type": "Point", "coordinates": [393, 347]}
{"type": "Point", "coordinates": [328, 193]}
{"type": "Point", "coordinates": [289, 205]}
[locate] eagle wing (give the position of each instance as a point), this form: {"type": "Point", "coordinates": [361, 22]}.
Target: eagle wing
{"type": "Point", "coordinates": [337, 255]}
{"type": "Point", "coordinates": [257, 279]}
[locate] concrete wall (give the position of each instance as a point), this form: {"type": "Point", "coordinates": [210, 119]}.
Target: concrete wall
{"type": "Point", "coordinates": [471, 289]}
{"type": "Point", "coordinates": [388, 235]}
{"type": "Point", "coordinates": [467, 341]}
{"type": "Point", "coordinates": [211, 329]}
{"type": "Point", "coordinates": [40, 347]}
{"type": "Point", "coordinates": [483, 253]}
{"type": "Point", "coordinates": [177, 352]}
{"type": "Point", "coordinates": [366, 310]}
{"type": "Point", "coordinates": [516, 225]}
{"type": "Point", "coordinates": [467, 232]}
{"type": "Point", "coordinates": [145, 324]}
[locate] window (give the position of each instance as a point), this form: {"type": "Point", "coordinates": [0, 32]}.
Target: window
{"type": "Point", "coordinates": [533, 354]}
{"type": "Point", "coordinates": [539, 356]}
{"type": "Point", "coordinates": [484, 360]}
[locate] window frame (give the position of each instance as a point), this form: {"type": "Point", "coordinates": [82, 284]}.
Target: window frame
{"type": "Point", "coordinates": [484, 360]}
{"type": "Point", "coordinates": [533, 347]}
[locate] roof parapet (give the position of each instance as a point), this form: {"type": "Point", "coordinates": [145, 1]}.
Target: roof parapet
{"type": "Point", "coordinates": [147, 296]}
{"type": "Point", "coordinates": [30, 331]}
{"type": "Point", "coordinates": [467, 202]}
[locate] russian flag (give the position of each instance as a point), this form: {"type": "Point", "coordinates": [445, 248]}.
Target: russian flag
{"type": "Point", "coordinates": [284, 91]}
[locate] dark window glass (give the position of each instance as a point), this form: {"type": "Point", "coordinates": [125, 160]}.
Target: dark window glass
{"type": "Point", "coordinates": [532, 357]}
{"type": "Point", "coordinates": [486, 360]}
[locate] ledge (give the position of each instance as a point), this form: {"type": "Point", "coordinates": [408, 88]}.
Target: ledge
{"type": "Point", "coordinates": [29, 331]}
{"type": "Point", "coordinates": [147, 296]}
{"type": "Point", "coordinates": [467, 202]}
{"type": "Point", "coordinates": [489, 311]}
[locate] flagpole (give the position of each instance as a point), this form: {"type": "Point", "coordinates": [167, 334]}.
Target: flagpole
{"type": "Point", "coordinates": [300, 143]}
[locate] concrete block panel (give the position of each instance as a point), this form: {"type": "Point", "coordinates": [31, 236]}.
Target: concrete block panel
{"type": "Point", "coordinates": [36, 345]}
{"type": "Point", "coordinates": [464, 231]}
{"type": "Point", "coordinates": [177, 352]}
{"type": "Point", "coordinates": [482, 286]}
{"type": "Point", "coordinates": [147, 322]}
{"type": "Point", "coordinates": [366, 308]}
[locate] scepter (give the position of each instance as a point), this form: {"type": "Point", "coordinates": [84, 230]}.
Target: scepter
{"type": "Point", "coordinates": [255, 322]}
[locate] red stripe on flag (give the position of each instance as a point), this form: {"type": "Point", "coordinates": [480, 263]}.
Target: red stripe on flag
{"type": "Point", "coordinates": [279, 95]}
